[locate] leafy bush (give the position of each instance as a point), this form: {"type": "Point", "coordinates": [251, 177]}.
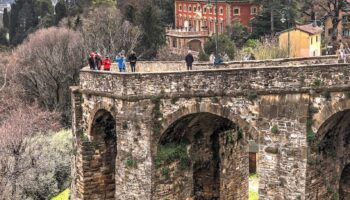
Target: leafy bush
{"type": "Point", "coordinates": [275, 129]}
{"type": "Point", "coordinates": [48, 166]}
{"type": "Point", "coordinates": [172, 152]}
{"type": "Point", "coordinates": [131, 163]}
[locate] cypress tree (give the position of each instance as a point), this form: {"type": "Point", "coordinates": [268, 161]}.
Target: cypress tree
{"type": "Point", "coordinates": [61, 11]}
{"type": "Point", "coordinates": [6, 19]}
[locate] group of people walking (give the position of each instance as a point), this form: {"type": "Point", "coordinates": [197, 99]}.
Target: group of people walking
{"type": "Point", "coordinates": [98, 62]}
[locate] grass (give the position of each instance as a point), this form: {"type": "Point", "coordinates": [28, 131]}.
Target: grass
{"type": "Point", "coordinates": [62, 196]}
{"type": "Point", "coordinates": [253, 186]}
{"type": "Point", "coordinates": [253, 195]}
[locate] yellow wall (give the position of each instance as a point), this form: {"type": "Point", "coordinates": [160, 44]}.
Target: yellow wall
{"type": "Point", "coordinates": [300, 43]}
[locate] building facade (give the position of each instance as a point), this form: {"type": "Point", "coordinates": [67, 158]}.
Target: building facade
{"type": "Point", "coordinates": [195, 21]}
{"type": "Point", "coordinates": [303, 40]}
{"type": "Point", "coordinates": [199, 15]}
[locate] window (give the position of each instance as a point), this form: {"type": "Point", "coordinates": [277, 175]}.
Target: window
{"type": "Point", "coordinates": [311, 40]}
{"type": "Point", "coordinates": [194, 8]}
{"type": "Point", "coordinates": [221, 27]}
{"type": "Point", "coordinates": [330, 31]}
{"type": "Point", "coordinates": [221, 11]}
{"type": "Point", "coordinates": [211, 26]}
{"type": "Point", "coordinates": [189, 9]}
{"type": "Point", "coordinates": [205, 10]}
{"type": "Point", "coordinates": [316, 38]}
{"type": "Point", "coordinates": [236, 11]}
{"type": "Point", "coordinates": [346, 32]}
{"type": "Point", "coordinates": [180, 7]}
{"type": "Point", "coordinates": [346, 19]}
{"type": "Point", "coordinates": [253, 10]}
{"type": "Point", "coordinates": [174, 42]}
{"type": "Point", "coordinates": [199, 8]}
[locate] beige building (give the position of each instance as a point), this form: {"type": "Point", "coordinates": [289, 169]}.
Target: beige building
{"type": "Point", "coordinates": [303, 40]}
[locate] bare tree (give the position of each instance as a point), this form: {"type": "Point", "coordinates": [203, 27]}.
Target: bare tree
{"type": "Point", "coordinates": [49, 63]}
{"type": "Point", "coordinates": [105, 31]}
{"type": "Point", "coordinates": [22, 123]}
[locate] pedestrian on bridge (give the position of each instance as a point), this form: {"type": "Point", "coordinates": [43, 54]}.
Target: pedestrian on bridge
{"type": "Point", "coordinates": [132, 59]}
{"type": "Point", "coordinates": [107, 64]}
{"type": "Point", "coordinates": [120, 60]}
{"type": "Point", "coordinates": [92, 62]}
{"type": "Point", "coordinates": [189, 60]}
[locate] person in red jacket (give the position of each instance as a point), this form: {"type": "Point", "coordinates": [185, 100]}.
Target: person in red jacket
{"type": "Point", "coordinates": [106, 63]}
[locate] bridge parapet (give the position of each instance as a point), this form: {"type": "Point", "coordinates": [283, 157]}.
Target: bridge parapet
{"type": "Point", "coordinates": [171, 66]}
{"type": "Point", "coordinates": [231, 82]}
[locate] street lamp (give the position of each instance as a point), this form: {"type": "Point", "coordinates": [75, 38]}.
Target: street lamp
{"type": "Point", "coordinates": [217, 58]}
{"type": "Point", "coordinates": [286, 17]}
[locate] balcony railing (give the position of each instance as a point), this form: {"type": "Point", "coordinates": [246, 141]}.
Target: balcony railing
{"type": "Point", "coordinates": [182, 32]}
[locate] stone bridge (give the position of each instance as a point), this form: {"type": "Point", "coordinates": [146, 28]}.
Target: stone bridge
{"type": "Point", "coordinates": [178, 135]}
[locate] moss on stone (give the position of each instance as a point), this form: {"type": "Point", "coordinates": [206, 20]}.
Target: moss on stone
{"type": "Point", "coordinates": [275, 129]}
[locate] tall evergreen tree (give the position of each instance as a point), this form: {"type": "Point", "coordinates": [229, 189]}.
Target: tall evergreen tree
{"type": "Point", "coordinates": [269, 20]}
{"type": "Point", "coordinates": [150, 20]}
{"type": "Point", "coordinates": [167, 10]}
{"type": "Point", "coordinates": [6, 19]}
{"type": "Point", "coordinates": [60, 11]}
{"type": "Point", "coordinates": [23, 20]}
{"type": "Point", "coordinates": [130, 13]}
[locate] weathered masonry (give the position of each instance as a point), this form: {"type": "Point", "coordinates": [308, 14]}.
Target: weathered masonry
{"type": "Point", "coordinates": [184, 135]}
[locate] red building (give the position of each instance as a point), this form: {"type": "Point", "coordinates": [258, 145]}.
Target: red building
{"type": "Point", "coordinates": [198, 15]}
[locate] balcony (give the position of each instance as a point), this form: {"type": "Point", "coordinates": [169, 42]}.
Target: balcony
{"type": "Point", "coordinates": [185, 33]}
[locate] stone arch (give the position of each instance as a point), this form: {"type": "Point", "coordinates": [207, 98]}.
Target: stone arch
{"type": "Point", "coordinates": [344, 187]}
{"type": "Point", "coordinates": [195, 45]}
{"type": "Point", "coordinates": [103, 144]}
{"type": "Point", "coordinates": [188, 127]}
{"type": "Point", "coordinates": [329, 155]}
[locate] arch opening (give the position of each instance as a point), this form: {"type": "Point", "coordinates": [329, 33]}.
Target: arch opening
{"type": "Point", "coordinates": [208, 160]}
{"type": "Point", "coordinates": [329, 154]}
{"type": "Point", "coordinates": [103, 140]}
{"type": "Point", "coordinates": [195, 45]}
{"type": "Point", "coordinates": [344, 185]}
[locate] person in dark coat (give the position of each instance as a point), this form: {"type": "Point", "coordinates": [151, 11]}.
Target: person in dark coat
{"type": "Point", "coordinates": [92, 62]}
{"type": "Point", "coordinates": [189, 60]}
{"type": "Point", "coordinates": [98, 60]}
{"type": "Point", "coordinates": [132, 59]}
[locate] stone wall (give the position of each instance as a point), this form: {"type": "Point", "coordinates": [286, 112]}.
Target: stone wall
{"type": "Point", "coordinates": [271, 104]}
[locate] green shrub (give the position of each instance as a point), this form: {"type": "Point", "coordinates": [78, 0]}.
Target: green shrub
{"type": "Point", "coordinates": [326, 95]}
{"type": "Point", "coordinates": [203, 56]}
{"type": "Point", "coordinates": [130, 163]}
{"type": "Point", "coordinates": [313, 110]}
{"type": "Point", "coordinates": [317, 83]}
{"type": "Point", "coordinates": [275, 129]}
{"type": "Point", "coordinates": [252, 95]}
{"type": "Point", "coordinates": [172, 152]}
{"type": "Point", "coordinates": [310, 136]}
{"type": "Point", "coordinates": [165, 172]}
{"type": "Point", "coordinates": [125, 125]}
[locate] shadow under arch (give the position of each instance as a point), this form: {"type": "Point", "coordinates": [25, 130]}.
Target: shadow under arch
{"type": "Point", "coordinates": [202, 156]}
{"type": "Point", "coordinates": [329, 154]}
{"type": "Point", "coordinates": [102, 163]}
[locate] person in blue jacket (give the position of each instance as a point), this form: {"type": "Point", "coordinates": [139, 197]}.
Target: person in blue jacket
{"type": "Point", "coordinates": [120, 60]}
